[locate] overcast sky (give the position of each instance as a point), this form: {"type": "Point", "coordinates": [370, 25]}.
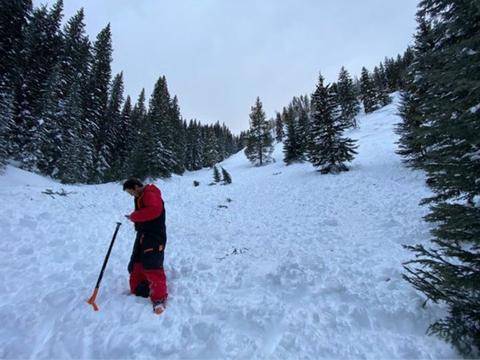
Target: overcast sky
{"type": "Point", "coordinates": [219, 55]}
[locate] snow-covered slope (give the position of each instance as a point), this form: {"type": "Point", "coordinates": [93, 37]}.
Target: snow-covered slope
{"type": "Point", "coordinates": [294, 264]}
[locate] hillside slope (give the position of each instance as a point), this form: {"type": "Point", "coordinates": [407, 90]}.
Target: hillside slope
{"type": "Point", "coordinates": [297, 264]}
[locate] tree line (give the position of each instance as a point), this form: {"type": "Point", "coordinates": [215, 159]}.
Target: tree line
{"type": "Point", "coordinates": [312, 127]}
{"type": "Point", "coordinates": [63, 115]}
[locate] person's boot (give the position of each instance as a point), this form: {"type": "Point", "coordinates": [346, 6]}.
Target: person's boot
{"type": "Point", "coordinates": [159, 306]}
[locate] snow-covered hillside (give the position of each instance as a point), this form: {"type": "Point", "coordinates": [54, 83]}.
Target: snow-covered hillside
{"type": "Point", "coordinates": [283, 263]}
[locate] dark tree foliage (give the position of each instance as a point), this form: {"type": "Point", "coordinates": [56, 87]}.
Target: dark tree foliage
{"type": "Point", "coordinates": [368, 95]}
{"type": "Point", "coordinates": [216, 175]}
{"type": "Point", "coordinates": [328, 150]}
{"type": "Point", "coordinates": [279, 131]}
{"type": "Point", "coordinates": [446, 92]}
{"type": "Point", "coordinates": [259, 141]}
{"type": "Point", "coordinates": [411, 145]}
{"type": "Point", "coordinates": [226, 177]}
{"type": "Point", "coordinates": [291, 146]}
{"type": "Point", "coordinates": [346, 97]}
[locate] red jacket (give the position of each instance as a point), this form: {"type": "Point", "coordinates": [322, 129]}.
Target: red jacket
{"type": "Point", "coordinates": [149, 205]}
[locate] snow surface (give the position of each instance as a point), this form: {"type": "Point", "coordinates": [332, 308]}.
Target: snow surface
{"type": "Point", "coordinates": [298, 265]}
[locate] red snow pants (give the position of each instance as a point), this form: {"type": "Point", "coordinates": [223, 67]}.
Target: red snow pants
{"type": "Point", "coordinates": [156, 279]}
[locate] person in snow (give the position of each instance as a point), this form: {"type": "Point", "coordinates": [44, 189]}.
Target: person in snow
{"type": "Point", "coordinates": [147, 277]}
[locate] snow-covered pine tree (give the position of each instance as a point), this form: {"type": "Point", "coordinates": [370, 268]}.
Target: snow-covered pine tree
{"type": "Point", "coordinates": [221, 133]}
{"type": "Point", "coordinates": [77, 131]}
{"type": "Point", "coordinates": [216, 174]}
{"type": "Point", "coordinates": [210, 151]}
{"type": "Point", "coordinates": [347, 99]}
{"type": "Point", "coordinates": [226, 177]}
{"type": "Point", "coordinates": [301, 110]}
{"type": "Point", "coordinates": [75, 161]}
{"type": "Point", "coordinates": [259, 141]}
{"type": "Point", "coordinates": [134, 141]}
{"type": "Point", "coordinates": [328, 150]}
{"type": "Point", "coordinates": [194, 146]}
{"type": "Point", "coordinates": [291, 148]}
{"type": "Point", "coordinates": [242, 140]}
{"type": "Point", "coordinates": [97, 106]}
{"type": "Point", "coordinates": [198, 145]}
{"type": "Point", "coordinates": [381, 96]}
{"type": "Point", "coordinates": [39, 58]}
{"type": "Point", "coordinates": [159, 127]}
{"type": "Point", "coordinates": [120, 145]}
{"type": "Point", "coordinates": [393, 70]}
{"type": "Point", "coordinates": [51, 126]}
{"type": "Point", "coordinates": [156, 161]}
{"type": "Point", "coordinates": [382, 77]}
{"type": "Point", "coordinates": [6, 120]}
{"type": "Point", "coordinates": [111, 131]}
{"type": "Point", "coordinates": [411, 129]}
{"type": "Point", "coordinates": [160, 112]}
{"type": "Point", "coordinates": [279, 132]}
{"type": "Point", "coordinates": [448, 271]}
{"type": "Point", "coordinates": [367, 92]}
{"type": "Point", "coordinates": [14, 16]}
{"type": "Point", "coordinates": [76, 55]}
{"type": "Point", "coordinates": [407, 60]}
{"type": "Point", "coordinates": [178, 137]}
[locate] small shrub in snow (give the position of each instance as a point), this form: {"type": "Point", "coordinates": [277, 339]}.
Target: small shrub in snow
{"type": "Point", "coordinates": [227, 179]}
{"type": "Point", "coordinates": [216, 175]}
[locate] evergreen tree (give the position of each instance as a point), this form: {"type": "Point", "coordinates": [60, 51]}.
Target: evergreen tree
{"type": "Point", "coordinates": [160, 113]}
{"type": "Point", "coordinates": [75, 162]}
{"type": "Point", "coordinates": [328, 150]}
{"type": "Point", "coordinates": [195, 146]}
{"type": "Point", "coordinates": [227, 179]}
{"type": "Point", "coordinates": [259, 141]}
{"type": "Point", "coordinates": [50, 134]}
{"type": "Point", "coordinates": [448, 271]}
{"type": "Point", "coordinates": [134, 140]}
{"type": "Point", "coordinates": [14, 16]}
{"type": "Point", "coordinates": [77, 148]}
{"type": "Point", "coordinates": [301, 113]}
{"type": "Point", "coordinates": [381, 96]}
{"type": "Point", "coordinates": [210, 151]}
{"type": "Point", "coordinates": [111, 149]}
{"type": "Point", "coordinates": [121, 147]}
{"type": "Point", "coordinates": [38, 61]}
{"type": "Point", "coordinates": [367, 92]}
{"type": "Point", "coordinates": [160, 159]}
{"type": "Point", "coordinates": [177, 137]}
{"type": "Point", "coordinates": [279, 133]}
{"type": "Point", "coordinates": [411, 130]}
{"type": "Point", "coordinates": [97, 103]}
{"type": "Point", "coordinates": [76, 56]}
{"type": "Point", "coordinates": [347, 99]}
{"type": "Point", "coordinates": [6, 120]}
{"type": "Point", "coordinates": [291, 145]}
{"type": "Point", "coordinates": [216, 175]}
